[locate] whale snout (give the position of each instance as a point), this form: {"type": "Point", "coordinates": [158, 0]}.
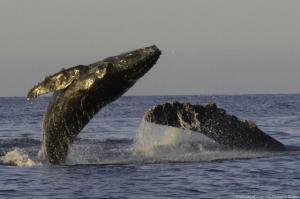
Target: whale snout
{"type": "Point", "coordinates": [151, 50]}
{"type": "Point", "coordinates": [145, 58]}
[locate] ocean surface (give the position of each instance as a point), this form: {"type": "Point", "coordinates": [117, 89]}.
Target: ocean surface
{"type": "Point", "coordinates": [117, 155]}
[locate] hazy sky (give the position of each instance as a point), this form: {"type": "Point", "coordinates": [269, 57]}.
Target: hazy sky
{"type": "Point", "coordinates": [209, 47]}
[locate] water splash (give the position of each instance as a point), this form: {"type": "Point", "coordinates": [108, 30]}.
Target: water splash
{"type": "Point", "coordinates": [152, 144]}
{"type": "Point", "coordinates": [155, 144]}
{"type": "Point", "coordinates": [18, 157]}
{"type": "Point", "coordinates": [153, 139]}
{"type": "Point", "coordinates": [159, 143]}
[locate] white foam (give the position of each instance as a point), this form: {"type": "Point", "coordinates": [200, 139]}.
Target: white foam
{"type": "Point", "coordinates": [155, 144]}
{"type": "Point", "coordinates": [152, 138]}
{"type": "Point", "coordinates": [17, 157]}
{"type": "Point", "coordinates": [164, 143]}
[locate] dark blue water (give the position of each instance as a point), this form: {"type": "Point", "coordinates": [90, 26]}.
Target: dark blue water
{"type": "Point", "coordinates": [103, 162]}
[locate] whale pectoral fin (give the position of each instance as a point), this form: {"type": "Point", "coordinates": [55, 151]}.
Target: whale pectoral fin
{"type": "Point", "coordinates": [58, 81]}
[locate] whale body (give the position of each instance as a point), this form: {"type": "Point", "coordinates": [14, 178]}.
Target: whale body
{"type": "Point", "coordinates": [81, 91]}
{"type": "Point", "coordinates": [214, 123]}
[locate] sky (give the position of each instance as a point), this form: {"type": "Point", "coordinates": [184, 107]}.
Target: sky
{"type": "Point", "coordinates": [208, 46]}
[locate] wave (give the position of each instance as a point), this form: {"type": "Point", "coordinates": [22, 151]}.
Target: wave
{"type": "Point", "coordinates": [19, 142]}
{"type": "Point", "coordinates": [152, 144]}
{"type": "Point", "coordinates": [155, 144]}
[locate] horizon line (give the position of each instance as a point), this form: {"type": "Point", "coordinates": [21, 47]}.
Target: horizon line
{"type": "Point", "coordinates": [159, 95]}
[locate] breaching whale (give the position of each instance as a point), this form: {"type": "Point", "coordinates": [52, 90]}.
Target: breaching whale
{"type": "Point", "coordinates": [214, 123]}
{"type": "Point", "coordinates": [81, 91]}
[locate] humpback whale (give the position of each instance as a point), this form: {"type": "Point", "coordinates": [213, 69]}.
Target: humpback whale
{"type": "Point", "coordinates": [215, 123]}
{"type": "Point", "coordinates": [81, 91]}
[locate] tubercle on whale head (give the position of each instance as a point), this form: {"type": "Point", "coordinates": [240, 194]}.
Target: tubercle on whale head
{"type": "Point", "coordinates": [93, 76]}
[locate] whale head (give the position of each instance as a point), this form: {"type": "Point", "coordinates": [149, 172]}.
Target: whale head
{"type": "Point", "coordinates": [117, 73]}
{"type": "Point", "coordinates": [113, 76]}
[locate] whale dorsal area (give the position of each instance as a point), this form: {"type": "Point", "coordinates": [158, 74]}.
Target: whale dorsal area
{"type": "Point", "coordinates": [57, 81]}
{"type": "Point", "coordinates": [214, 123]}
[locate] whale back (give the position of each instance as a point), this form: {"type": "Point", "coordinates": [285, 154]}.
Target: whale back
{"type": "Point", "coordinates": [214, 123]}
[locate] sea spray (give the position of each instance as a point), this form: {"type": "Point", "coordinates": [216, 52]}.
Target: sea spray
{"type": "Point", "coordinates": [18, 157]}
{"type": "Point", "coordinates": [101, 152]}
{"type": "Point", "coordinates": [154, 144]}
{"type": "Point", "coordinates": [153, 140]}
{"type": "Point", "coordinates": [157, 143]}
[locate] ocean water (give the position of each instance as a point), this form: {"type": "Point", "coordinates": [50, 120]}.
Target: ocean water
{"type": "Point", "coordinates": [118, 155]}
